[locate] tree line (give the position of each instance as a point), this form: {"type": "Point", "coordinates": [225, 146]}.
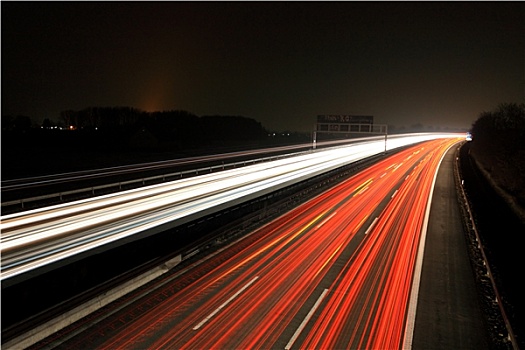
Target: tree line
{"type": "Point", "coordinates": [498, 145]}
{"type": "Point", "coordinates": [126, 128]}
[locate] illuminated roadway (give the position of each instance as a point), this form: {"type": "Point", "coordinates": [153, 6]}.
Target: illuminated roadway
{"type": "Point", "coordinates": [39, 238]}
{"type": "Point", "coordinates": [341, 271]}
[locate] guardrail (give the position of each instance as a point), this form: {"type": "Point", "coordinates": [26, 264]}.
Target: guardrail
{"type": "Point", "coordinates": [511, 337]}
{"type": "Point", "coordinates": [118, 186]}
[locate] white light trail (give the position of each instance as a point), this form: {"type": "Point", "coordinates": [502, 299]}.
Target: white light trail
{"type": "Point", "coordinates": [34, 238]}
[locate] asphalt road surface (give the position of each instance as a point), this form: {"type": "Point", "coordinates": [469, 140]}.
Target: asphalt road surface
{"type": "Point", "coordinates": [327, 282]}
{"type": "Point", "coordinates": [448, 312]}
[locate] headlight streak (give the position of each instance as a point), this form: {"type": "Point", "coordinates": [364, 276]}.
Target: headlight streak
{"type": "Point", "coordinates": [31, 239]}
{"type": "Point", "coordinates": [317, 248]}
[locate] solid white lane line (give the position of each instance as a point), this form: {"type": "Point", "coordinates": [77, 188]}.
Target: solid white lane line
{"type": "Point", "coordinates": [414, 293]}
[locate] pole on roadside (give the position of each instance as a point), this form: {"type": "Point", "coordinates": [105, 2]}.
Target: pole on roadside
{"type": "Point", "coordinates": [314, 135]}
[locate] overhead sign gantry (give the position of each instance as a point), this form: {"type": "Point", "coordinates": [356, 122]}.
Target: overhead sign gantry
{"type": "Point", "coordinates": [348, 124]}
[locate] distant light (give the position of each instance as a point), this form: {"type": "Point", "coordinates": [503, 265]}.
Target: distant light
{"type": "Point", "coordinates": [468, 137]}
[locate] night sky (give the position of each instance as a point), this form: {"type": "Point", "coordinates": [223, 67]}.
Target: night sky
{"type": "Point", "coordinates": [281, 63]}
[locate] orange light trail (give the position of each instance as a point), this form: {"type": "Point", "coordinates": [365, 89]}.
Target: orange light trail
{"type": "Point", "coordinates": [264, 291]}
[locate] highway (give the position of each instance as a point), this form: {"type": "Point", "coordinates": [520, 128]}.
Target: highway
{"type": "Point", "coordinates": [38, 238]}
{"type": "Point", "coordinates": [340, 271]}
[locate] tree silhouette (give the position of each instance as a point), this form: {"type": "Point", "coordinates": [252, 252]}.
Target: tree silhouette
{"type": "Point", "coordinates": [499, 146]}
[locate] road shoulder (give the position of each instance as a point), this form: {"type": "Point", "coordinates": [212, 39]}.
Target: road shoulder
{"type": "Point", "coordinates": [448, 314]}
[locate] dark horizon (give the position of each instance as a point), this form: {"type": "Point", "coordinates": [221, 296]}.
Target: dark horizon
{"type": "Point", "coordinates": [282, 64]}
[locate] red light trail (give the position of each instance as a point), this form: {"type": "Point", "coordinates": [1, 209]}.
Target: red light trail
{"type": "Point", "coordinates": [335, 272]}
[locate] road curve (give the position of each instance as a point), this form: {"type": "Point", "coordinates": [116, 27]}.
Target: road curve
{"type": "Point", "coordinates": [36, 238]}
{"type": "Point", "coordinates": [336, 272]}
